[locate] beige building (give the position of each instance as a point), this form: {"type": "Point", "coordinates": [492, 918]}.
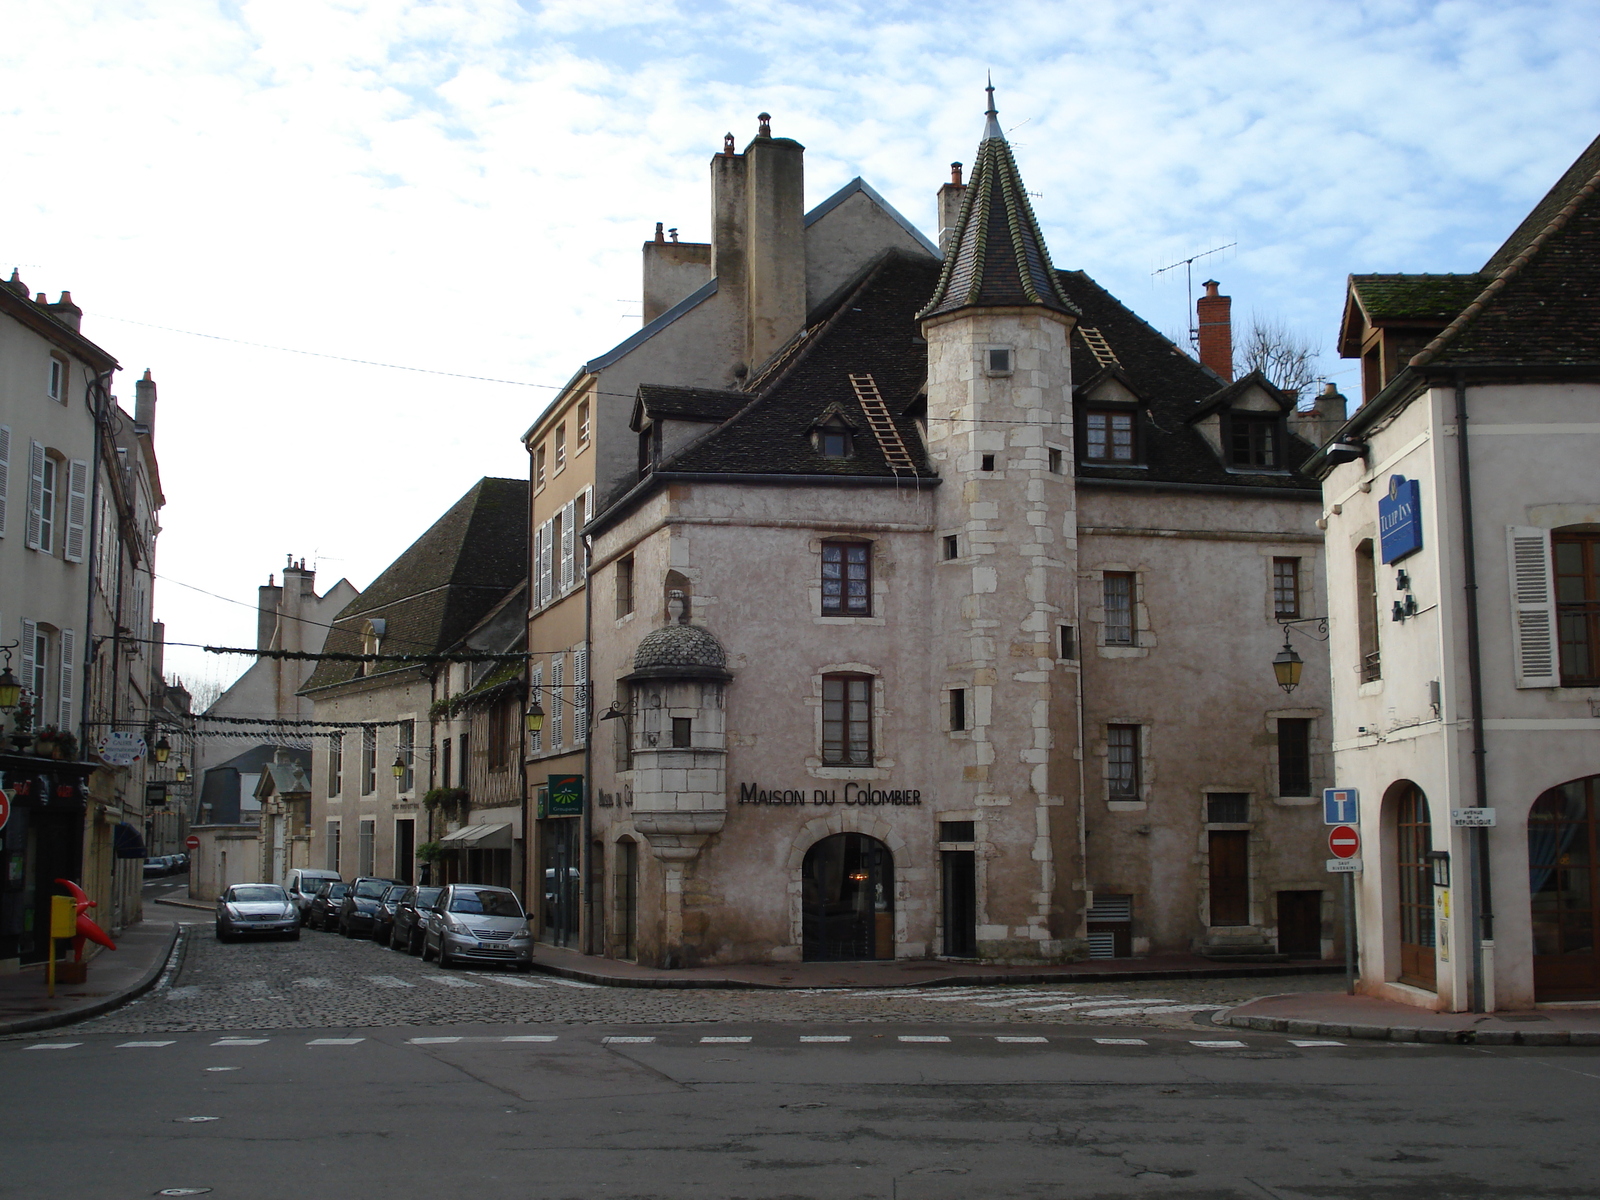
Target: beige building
{"type": "Point", "coordinates": [1462, 506]}
{"type": "Point", "coordinates": [945, 626]}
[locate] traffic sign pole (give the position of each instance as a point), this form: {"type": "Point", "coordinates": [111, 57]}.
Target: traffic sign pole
{"type": "Point", "coordinates": [1350, 935]}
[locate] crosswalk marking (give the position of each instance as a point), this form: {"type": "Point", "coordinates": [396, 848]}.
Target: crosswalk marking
{"type": "Point", "coordinates": [531, 1037]}
{"type": "Point", "coordinates": [53, 1046]}
{"type": "Point", "coordinates": [914, 1037]}
{"type": "Point", "coordinates": [387, 981]}
{"type": "Point", "coordinates": [825, 1037]}
{"type": "Point", "coordinates": [334, 1041]}
{"type": "Point", "coordinates": [578, 983]}
{"type": "Point", "coordinates": [140, 1045]}
{"type": "Point", "coordinates": [1219, 1045]}
{"type": "Point", "coordinates": [1143, 1010]}
{"type": "Point", "coordinates": [241, 1042]}
{"type": "Point", "coordinates": [1122, 1041]}
{"type": "Point", "coordinates": [451, 981]}
{"type": "Point", "coordinates": [722, 1041]}
{"type": "Point", "coordinates": [1017, 1040]}
{"type": "Point", "coordinates": [625, 1041]}
{"type": "Point", "coordinates": [513, 981]}
{"type": "Point", "coordinates": [1097, 1002]}
{"type": "Point", "coordinates": [1317, 1043]}
{"type": "Point", "coordinates": [434, 1041]}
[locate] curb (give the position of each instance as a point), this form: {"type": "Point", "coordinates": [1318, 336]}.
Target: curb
{"type": "Point", "coordinates": [104, 1005]}
{"type": "Point", "coordinates": [1407, 1033]}
{"type": "Point", "coordinates": [594, 977]}
{"type": "Point", "coordinates": [188, 904]}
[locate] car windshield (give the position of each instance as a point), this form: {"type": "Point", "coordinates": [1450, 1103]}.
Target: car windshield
{"type": "Point", "coordinates": [371, 889]}
{"type": "Point", "coordinates": [485, 902]}
{"type": "Point", "coordinates": [395, 892]}
{"type": "Point", "coordinates": [427, 897]}
{"type": "Point", "coordinates": [309, 885]}
{"type": "Point", "coordinates": [335, 891]}
{"type": "Point", "coordinates": [259, 892]}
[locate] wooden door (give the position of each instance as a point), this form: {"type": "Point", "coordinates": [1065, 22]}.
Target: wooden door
{"type": "Point", "coordinates": [1562, 871]}
{"type": "Point", "coordinates": [1300, 924]}
{"type": "Point", "coordinates": [1418, 933]}
{"type": "Point", "coordinates": [1230, 877]}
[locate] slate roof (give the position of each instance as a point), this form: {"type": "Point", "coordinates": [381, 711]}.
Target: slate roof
{"type": "Point", "coordinates": [997, 256]}
{"type": "Point", "coordinates": [441, 586]}
{"type": "Point", "coordinates": [1578, 176]}
{"type": "Point", "coordinates": [1416, 297]}
{"type": "Point", "coordinates": [690, 404]}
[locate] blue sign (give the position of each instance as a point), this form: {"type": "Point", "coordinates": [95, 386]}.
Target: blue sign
{"type": "Point", "coordinates": [1400, 518]}
{"type": "Point", "coordinates": [1340, 807]}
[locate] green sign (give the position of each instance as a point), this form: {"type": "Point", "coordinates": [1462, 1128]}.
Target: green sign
{"type": "Point", "coordinates": [566, 796]}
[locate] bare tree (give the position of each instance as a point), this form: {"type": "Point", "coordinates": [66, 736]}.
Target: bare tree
{"type": "Point", "coordinates": [1284, 356]}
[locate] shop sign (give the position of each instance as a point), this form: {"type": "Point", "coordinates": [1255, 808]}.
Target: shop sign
{"type": "Point", "coordinates": [1400, 518]}
{"type": "Point", "coordinates": [155, 795]}
{"type": "Point", "coordinates": [121, 748]}
{"type": "Point", "coordinates": [852, 795]}
{"type": "Point", "coordinates": [622, 799]}
{"type": "Point", "coordinates": [564, 796]}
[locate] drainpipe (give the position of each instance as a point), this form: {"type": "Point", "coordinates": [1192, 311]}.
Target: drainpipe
{"type": "Point", "coordinates": [1482, 912]}
{"type": "Point", "coordinates": [587, 853]}
{"type": "Point", "coordinates": [97, 390]}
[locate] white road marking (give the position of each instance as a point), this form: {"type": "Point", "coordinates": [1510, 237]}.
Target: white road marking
{"type": "Point", "coordinates": [1015, 1040]}
{"type": "Point", "coordinates": [138, 1045]}
{"type": "Point", "coordinates": [513, 981]}
{"type": "Point", "coordinates": [825, 1037]}
{"type": "Point", "coordinates": [387, 981]}
{"type": "Point", "coordinates": [1028, 999]}
{"type": "Point", "coordinates": [570, 982]}
{"type": "Point", "coordinates": [53, 1046]}
{"type": "Point", "coordinates": [1122, 1041]}
{"type": "Point", "coordinates": [625, 1041]}
{"type": "Point", "coordinates": [1154, 1008]}
{"type": "Point", "coordinates": [451, 981]}
{"type": "Point", "coordinates": [915, 1037]}
{"type": "Point", "coordinates": [1099, 1002]}
{"type": "Point", "coordinates": [531, 1037]}
{"type": "Point", "coordinates": [241, 1042]}
{"type": "Point", "coordinates": [193, 1120]}
{"type": "Point", "coordinates": [1294, 1043]}
{"type": "Point", "coordinates": [222, 1068]}
{"type": "Point", "coordinates": [312, 983]}
{"type": "Point", "coordinates": [437, 1041]}
{"type": "Point", "coordinates": [1221, 1045]}
{"type": "Point", "coordinates": [722, 1041]}
{"type": "Point", "coordinates": [334, 1041]}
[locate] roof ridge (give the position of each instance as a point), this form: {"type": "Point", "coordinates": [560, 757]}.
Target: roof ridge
{"type": "Point", "coordinates": [1509, 272]}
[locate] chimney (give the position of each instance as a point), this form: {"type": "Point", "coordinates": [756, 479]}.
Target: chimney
{"type": "Point", "coordinates": [1214, 315]}
{"type": "Point", "coordinates": [950, 197]}
{"type": "Point", "coordinates": [1323, 419]}
{"type": "Point", "coordinates": [267, 601]}
{"type": "Point", "coordinates": [65, 311]}
{"type": "Point", "coordinates": [16, 285]}
{"type": "Point", "coordinates": [144, 403]}
{"type": "Point", "coordinates": [775, 243]}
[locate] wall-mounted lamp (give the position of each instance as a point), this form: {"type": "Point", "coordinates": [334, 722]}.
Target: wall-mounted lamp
{"type": "Point", "coordinates": [10, 685]}
{"type": "Point", "coordinates": [1287, 666]}
{"type": "Point", "coordinates": [182, 773]}
{"type": "Point", "coordinates": [399, 767]}
{"type": "Point", "coordinates": [535, 717]}
{"type": "Point", "coordinates": [163, 749]}
{"type": "Point", "coordinates": [613, 713]}
{"type": "Point", "coordinates": [1439, 866]}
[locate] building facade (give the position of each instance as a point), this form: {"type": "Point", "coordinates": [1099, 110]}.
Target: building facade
{"type": "Point", "coordinates": [1462, 508]}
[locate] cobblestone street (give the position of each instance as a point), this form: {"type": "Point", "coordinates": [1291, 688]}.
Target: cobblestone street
{"type": "Point", "coordinates": [325, 981]}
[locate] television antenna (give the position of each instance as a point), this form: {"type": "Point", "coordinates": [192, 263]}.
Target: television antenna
{"type": "Point", "coordinates": [1188, 270]}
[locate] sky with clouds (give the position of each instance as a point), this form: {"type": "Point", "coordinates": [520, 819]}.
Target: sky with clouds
{"type": "Point", "coordinates": [462, 186]}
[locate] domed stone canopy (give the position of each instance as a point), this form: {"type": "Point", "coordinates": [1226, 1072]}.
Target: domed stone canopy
{"type": "Point", "coordinates": [679, 647]}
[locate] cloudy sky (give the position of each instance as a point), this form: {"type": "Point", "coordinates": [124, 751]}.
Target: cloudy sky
{"type": "Point", "coordinates": [462, 187]}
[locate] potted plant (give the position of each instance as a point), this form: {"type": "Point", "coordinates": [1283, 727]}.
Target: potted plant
{"type": "Point", "coordinates": [22, 724]}
{"type": "Point", "coordinates": [67, 746]}
{"type": "Point", "coordinates": [45, 746]}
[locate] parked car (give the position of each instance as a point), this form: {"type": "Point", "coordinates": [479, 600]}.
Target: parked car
{"type": "Point", "coordinates": [471, 921]}
{"type": "Point", "coordinates": [256, 909]}
{"type": "Point", "coordinates": [411, 917]}
{"type": "Point", "coordinates": [324, 911]}
{"type": "Point", "coordinates": [155, 867]}
{"type": "Point", "coordinates": [302, 886]}
{"type": "Point", "coordinates": [179, 864]}
{"type": "Point", "coordinates": [360, 904]}
{"type": "Point", "coordinates": [383, 918]}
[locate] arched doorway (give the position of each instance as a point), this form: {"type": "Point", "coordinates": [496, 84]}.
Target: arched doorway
{"type": "Point", "coordinates": [1565, 891]}
{"type": "Point", "coordinates": [1418, 932]}
{"type": "Point", "coordinates": [848, 899]}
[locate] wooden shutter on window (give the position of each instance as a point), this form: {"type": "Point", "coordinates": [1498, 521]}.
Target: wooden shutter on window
{"type": "Point", "coordinates": [30, 633]}
{"type": "Point", "coordinates": [538, 578]}
{"type": "Point", "coordinates": [580, 677]}
{"type": "Point", "coordinates": [77, 509]}
{"type": "Point", "coordinates": [35, 494]}
{"type": "Point", "coordinates": [1533, 608]}
{"type": "Point", "coordinates": [69, 674]}
{"type": "Point", "coordinates": [546, 563]}
{"type": "Point", "coordinates": [568, 541]}
{"type": "Point", "coordinates": [558, 698]}
{"type": "Point", "coordinates": [5, 474]}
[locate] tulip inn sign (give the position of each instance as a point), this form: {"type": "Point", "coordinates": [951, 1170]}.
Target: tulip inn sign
{"type": "Point", "coordinates": [1400, 518]}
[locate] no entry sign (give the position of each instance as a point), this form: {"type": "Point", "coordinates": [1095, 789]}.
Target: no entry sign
{"type": "Point", "coordinates": [1344, 841]}
{"type": "Point", "coordinates": [192, 841]}
{"type": "Point", "coordinates": [5, 809]}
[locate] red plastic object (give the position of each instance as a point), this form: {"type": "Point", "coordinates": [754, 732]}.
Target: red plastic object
{"type": "Point", "coordinates": [87, 929]}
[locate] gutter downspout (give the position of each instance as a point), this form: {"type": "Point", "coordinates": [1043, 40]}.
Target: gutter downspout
{"type": "Point", "coordinates": [97, 390]}
{"type": "Point", "coordinates": [1482, 911]}
{"type": "Point", "coordinates": [590, 902]}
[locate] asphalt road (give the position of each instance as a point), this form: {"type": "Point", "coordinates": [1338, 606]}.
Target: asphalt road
{"type": "Point", "coordinates": [218, 1081]}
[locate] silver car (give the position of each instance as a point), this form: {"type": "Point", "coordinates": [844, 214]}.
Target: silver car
{"type": "Point", "coordinates": [256, 909]}
{"type": "Point", "coordinates": [476, 922]}
{"type": "Point", "coordinates": [303, 885]}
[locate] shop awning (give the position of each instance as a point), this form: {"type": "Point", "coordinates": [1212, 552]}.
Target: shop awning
{"type": "Point", "coordinates": [478, 837]}
{"type": "Point", "coordinates": [126, 842]}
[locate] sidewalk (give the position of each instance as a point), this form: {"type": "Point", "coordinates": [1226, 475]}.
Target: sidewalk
{"type": "Point", "coordinates": [920, 973]}
{"type": "Point", "coordinates": [115, 977]}
{"type": "Point", "coordinates": [1341, 1016]}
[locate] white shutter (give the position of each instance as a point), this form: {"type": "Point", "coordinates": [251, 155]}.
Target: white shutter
{"type": "Point", "coordinates": [30, 632]}
{"type": "Point", "coordinates": [586, 499]}
{"type": "Point", "coordinates": [567, 542]}
{"type": "Point", "coordinates": [5, 474]}
{"type": "Point", "coordinates": [77, 508]}
{"type": "Point", "coordinates": [69, 673]}
{"type": "Point", "coordinates": [35, 493]}
{"type": "Point", "coordinates": [538, 576]}
{"type": "Point", "coordinates": [580, 678]}
{"type": "Point", "coordinates": [547, 562]}
{"type": "Point", "coordinates": [1533, 607]}
{"type": "Point", "coordinates": [558, 698]}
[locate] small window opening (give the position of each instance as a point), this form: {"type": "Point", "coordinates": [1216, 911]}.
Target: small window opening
{"type": "Point", "coordinates": [957, 831]}
{"type": "Point", "coordinates": [682, 729]}
{"type": "Point", "coordinates": [988, 462]}
{"type": "Point", "coordinates": [624, 585]}
{"type": "Point", "coordinates": [952, 548]}
{"type": "Point", "coordinates": [958, 709]}
{"type": "Point", "coordinates": [1066, 642]}
{"type": "Point", "coordinates": [1055, 461]}
{"type": "Point", "coordinates": [999, 360]}
{"type": "Point", "coordinates": [1228, 808]}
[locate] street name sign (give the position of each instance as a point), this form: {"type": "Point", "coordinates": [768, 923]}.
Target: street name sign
{"type": "Point", "coordinates": [1339, 806]}
{"type": "Point", "coordinates": [1344, 866]}
{"type": "Point", "coordinates": [1472, 818]}
{"type": "Point", "coordinates": [1344, 841]}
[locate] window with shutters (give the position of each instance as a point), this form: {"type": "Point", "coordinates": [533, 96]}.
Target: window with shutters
{"type": "Point", "coordinates": [501, 737]}
{"type": "Point", "coordinates": [561, 449]}
{"type": "Point", "coordinates": [1576, 559]}
{"type": "Point", "coordinates": [538, 467]}
{"type": "Point", "coordinates": [558, 700]}
{"type": "Point", "coordinates": [547, 550]}
{"type": "Point", "coordinates": [66, 694]}
{"type": "Point", "coordinates": [568, 543]}
{"type": "Point", "coordinates": [847, 720]}
{"type": "Point", "coordinates": [847, 579]}
{"type": "Point", "coordinates": [42, 501]}
{"type": "Point", "coordinates": [580, 695]}
{"type": "Point", "coordinates": [77, 510]}
{"type": "Point", "coordinates": [1534, 649]}
{"type": "Point", "coordinates": [583, 426]}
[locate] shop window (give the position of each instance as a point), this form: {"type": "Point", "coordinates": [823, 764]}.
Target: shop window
{"type": "Point", "coordinates": [1286, 587]}
{"type": "Point", "coordinates": [1108, 435]}
{"type": "Point", "coordinates": [847, 720]}
{"type": "Point", "coordinates": [1119, 599]}
{"type": "Point", "coordinates": [1576, 557]}
{"type": "Point", "coordinates": [847, 579]}
{"type": "Point", "coordinates": [1122, 762]}
{"type": "Point", "coordinates": [1294, 756]}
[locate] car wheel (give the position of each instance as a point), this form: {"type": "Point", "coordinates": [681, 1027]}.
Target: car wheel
{"type": "Point", "coordinates": [427, 954]}
{"type": "Point", "coordinates": [524, 967]}
{"type": "Point", "coordinates": [445, 960]}
{"type": "Point", "coordinates": [222, 936]}
{"type": "Point", "coordinates": [294, 936]}
{"type": "Point", "coordinates": [414, 944]}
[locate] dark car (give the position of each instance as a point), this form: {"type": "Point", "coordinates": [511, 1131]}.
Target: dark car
{"type": "Point", "coordinates": [259, 909]}
{"type": "Point", "coordinates": [324, 911]}
{"type": "Point", "coordinates": [410, 917]}
{"type": "Point", "coordinates": [360, 905]}
{"type": "Point", "coordinates": [383, 919]}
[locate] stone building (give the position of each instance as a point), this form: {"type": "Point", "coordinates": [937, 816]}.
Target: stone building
{"type": "Point", "coordinates": [1464, 582]}
{"type": "Point", "coordinates": [945, 628]}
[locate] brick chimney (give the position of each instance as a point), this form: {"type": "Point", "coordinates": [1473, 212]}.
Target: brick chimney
{"type": "Point", "coordinates": [144, 404]}
{"type": "Point", "coordinates": [65, 311]}
{"type": "Point", "coordinates": [267, 600]}
{"type": "Point", "coordinates": [1214, 315]}
{"type": "Point", "coordinates": [950, 197]}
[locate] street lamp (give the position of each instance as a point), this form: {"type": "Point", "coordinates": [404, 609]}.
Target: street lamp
{"type": "Point", "coordinates": [1287, 666]}
{"type": "Point", "coordinates": [182, 772]}
{"type": "Point", "coordinates": [535, 717]}
{"type": "Point", "coordinates": [163, 749]}
{"type": "Point", "coordinates": [399, 767]}
{"type": "Point", "coordinates": [10, 690]}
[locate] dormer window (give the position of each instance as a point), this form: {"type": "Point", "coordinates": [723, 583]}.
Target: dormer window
{"type": "Point", "coordinates": [1108, 435]}
{"type": "Point", "coordinates": [1253, 440]}
{"type": "Point", "coordinates": [833, 438]}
